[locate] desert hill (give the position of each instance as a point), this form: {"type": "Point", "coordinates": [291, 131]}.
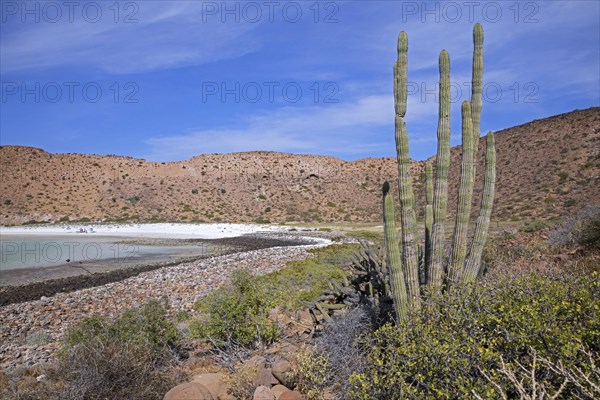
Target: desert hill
{"type": "Point", "coordinates": [546, 168]}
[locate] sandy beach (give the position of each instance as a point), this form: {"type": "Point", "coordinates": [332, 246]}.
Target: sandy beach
{"type": "Point", "coordinates": [160, 230]}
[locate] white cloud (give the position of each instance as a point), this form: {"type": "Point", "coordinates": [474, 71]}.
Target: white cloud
{"type": "Point", "coordinates": [344, 128]}
{"type": "Point", "coordinates": [167, 34]}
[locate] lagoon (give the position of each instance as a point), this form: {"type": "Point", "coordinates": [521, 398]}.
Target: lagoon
{"type": "Point", "coordinates": [38, 251]}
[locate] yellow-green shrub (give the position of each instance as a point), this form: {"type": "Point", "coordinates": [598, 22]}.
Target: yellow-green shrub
{"type": "Point", "coordinates": [127, 357]}
{"type": "Point", "coordinates": [445, 350]}
{"type": "Point", "coordinates": [237, 314]}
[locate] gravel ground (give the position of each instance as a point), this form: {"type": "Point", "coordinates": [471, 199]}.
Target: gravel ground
{"type": "Point", "coordinates": [182, 284]}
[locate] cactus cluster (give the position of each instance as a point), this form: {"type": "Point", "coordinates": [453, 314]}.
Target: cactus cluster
{"type": "Point", "coordinates": [406, 273]}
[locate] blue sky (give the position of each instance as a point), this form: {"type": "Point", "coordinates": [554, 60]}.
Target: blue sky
{"type": "Point", "coordinates": [167, 80]}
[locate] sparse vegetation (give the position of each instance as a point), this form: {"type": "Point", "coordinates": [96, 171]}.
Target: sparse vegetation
{"type": "Point", "coordinates": [129, 357]}
{"type": "Point", "coordinates": [582, 229]}
{"type": "Point", "coordinates": [237, 315]}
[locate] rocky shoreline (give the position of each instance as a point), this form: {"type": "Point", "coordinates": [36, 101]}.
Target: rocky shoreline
{"type": "Point", "coordinates": [67, 278]}
{"type": "Point", "coordinates": [30, 330]}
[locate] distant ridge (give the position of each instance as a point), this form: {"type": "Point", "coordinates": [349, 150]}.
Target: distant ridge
{"type": "Point", "coordinates": [546, 168]}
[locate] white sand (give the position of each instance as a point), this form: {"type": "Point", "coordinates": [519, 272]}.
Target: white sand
{"type": "Point", "coordinates": [162, 230]}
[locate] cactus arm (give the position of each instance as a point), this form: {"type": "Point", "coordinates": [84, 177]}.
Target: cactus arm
{"type": "Point", "coordinates": [440, 199]}
{"type": "Point", "coordinates": [394, 260]}
{"type": "Point", "coordinates": [473, 263]}
{"type": "Point", "coordinates": [407, 214]}
{"type": "Point", "coordinates": [465, 197]}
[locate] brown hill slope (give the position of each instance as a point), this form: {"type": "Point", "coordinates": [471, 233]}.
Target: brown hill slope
{"type": "Point", "coordinates": [546, 168]}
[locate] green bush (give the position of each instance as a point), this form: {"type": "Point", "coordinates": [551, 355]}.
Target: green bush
{"type": "Point", "coordinates": [237, 314]}
{"type": "Point", "coordinates": [476, 341]}
{"type": "Point", "coordinates": [146, 325]}
{"type": "Point", "coordinates": [128, 357]}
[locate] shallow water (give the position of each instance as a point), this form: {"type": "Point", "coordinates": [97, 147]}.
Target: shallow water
{"type": "Point", "coordinates": [19, 251]}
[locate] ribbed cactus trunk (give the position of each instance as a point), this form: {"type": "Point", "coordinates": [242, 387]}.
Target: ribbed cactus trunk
{"type": "Point", "coordinates": [440, 198]}
{"type": "Point", "coordinates": [394, 259]}
{"type": "Point", "coordinates": [477, 81]}
{"type": "Point", "coordinates": [428, 217]}
{"type": "Point", "coordinates": [465, 197]}
{"type": "Point", "coordinates": [407, 213]}
{"type": "Point", "coordinates": [473, 263]}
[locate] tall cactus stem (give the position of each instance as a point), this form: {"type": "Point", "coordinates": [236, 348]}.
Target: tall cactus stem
{"type": "Point", "coordinates": [477, 80]}
{"type": "Point", "coordinates": [394, 259]}
{"type": "Point", "coordinates": [440, 199]}
{"type": "Point", "coordinates": [407, 214]}
{"type": "Point", "coordinates": [428, 217]}
{"type": "Point", "coordinates": [465, 196]}
{"type": "Point", "coordinates": [473, 263]}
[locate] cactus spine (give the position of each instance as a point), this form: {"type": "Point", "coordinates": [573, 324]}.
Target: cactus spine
{"type": "Point", "coordinates": [407, 213]}
{"type": "Point", "coordinates": [440, 199]}
{"type": "Point", "coordinates": [463, 265]}
{"type": "Point", "coordinates": [394, 261]}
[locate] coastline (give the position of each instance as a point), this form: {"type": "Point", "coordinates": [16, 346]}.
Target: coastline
{"type": "Point", "coordinates": [26, 284]}
{"type": "Point", "coordinates": [181, 284]}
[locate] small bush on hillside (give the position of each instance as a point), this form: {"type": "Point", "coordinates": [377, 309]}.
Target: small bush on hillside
{"type": "Point", "coordinates": [38, 338]}
{"type": "Point", "coordinates": [486, 340]}
{"type": "Point", "coordinates": [535, 226]}
{"type": "Point", "coordinates": [583, 229]}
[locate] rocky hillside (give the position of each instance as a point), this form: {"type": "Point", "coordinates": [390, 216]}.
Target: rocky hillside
{"type": "Point", "coordinates": [546, 168]}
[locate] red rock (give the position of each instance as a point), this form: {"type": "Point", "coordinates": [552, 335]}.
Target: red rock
{"type": "Point", "coordinates": [263, 393]}
{"type": "Point", "coordinates": [292, 395]}
{"type": "Point", "coordinates": [189, 391]}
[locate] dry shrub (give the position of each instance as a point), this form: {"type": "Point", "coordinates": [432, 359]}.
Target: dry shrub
{"type": "Point", "coordinates": [334, 356]}
{"type": "Point", "coordinates": [582, 229]}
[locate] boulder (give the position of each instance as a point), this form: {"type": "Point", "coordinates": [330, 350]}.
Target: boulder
{"type": "Point", "coordinates": [291, 395]}
{"type": "Point", "coordinates": [189, 391]}
{"type": "Point", "coordinates": [263, 393]}
{"type": "Point", "coordinates": [280, 370]}
{"type": "Point", "coordinates": [266, 378]}
{"type": "Point", "coordinates": [252, 369]}
{"type": "Point", "coordinates": [278, 390]}
{"type": "Point", "coordinates": [214, 383]}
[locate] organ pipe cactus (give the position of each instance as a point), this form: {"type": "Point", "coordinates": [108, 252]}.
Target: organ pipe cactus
{"type": "Point", "coordinates": [463, 265]}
